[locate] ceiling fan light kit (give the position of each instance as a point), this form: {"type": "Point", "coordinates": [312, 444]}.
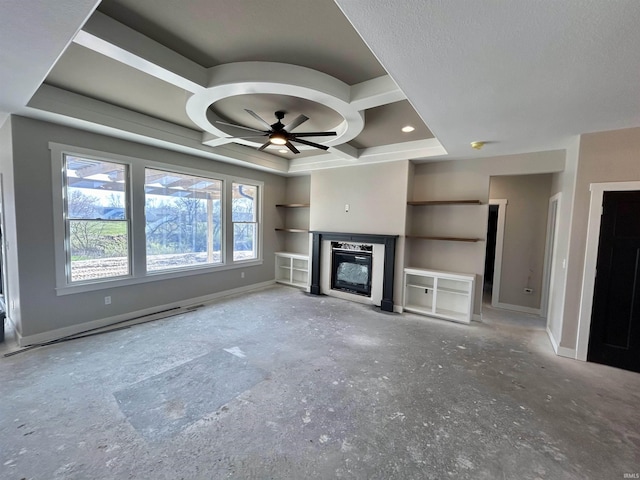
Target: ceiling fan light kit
{"type": "Point", "coordinates": [282, 135]}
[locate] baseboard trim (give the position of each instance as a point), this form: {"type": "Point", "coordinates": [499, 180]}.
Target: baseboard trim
{"type": "Point", "coordinates": [560, 351]}
{"type": "Point", "coordinates": [518, 308]}
{"type": "Point", "coordinates": [476, 317]}
{"type": "Point", "coordinates": [152, 313]}
{"type": "Point", "coordinates": [554, 343]}
{"type": "Point", "coordinates": [567, 352]}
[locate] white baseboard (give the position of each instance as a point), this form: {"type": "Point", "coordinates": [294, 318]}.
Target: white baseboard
{"type": "Point", "coordinates": [554, 343]}
{"type": "Point", "coordinates": [518, 308]}
{"type": "Point", "coordinates": [476, 317]}
{"type": "Point", "coordinates": [560, 351]}
{"type": "Point", "coordinates": [567, 352]}
{"type": "Point", "coordinates": [159, 311]}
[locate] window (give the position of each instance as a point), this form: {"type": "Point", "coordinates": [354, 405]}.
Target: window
{"type": "Point", "coordinates": [244, 214]}
{"type": "Point", "coordinates": [183, 220]}
{"type": "Point", "coordinates": [120, 220]}
{"type": "Point", "coordinates": [96, 217]}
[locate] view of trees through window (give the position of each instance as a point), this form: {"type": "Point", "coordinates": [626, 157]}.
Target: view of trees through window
{"type": "Point", "coordinates": [183, 217]}
{"type": "Point", "coordinates": [183, 220]}
{"type": "Point", "coordinates": [97, 220]}
{"type": "Point", "coordinates": [245, 221]}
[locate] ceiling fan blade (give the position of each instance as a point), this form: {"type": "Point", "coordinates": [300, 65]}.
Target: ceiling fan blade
{"type": "Point", "coordinates": [311, 144]}
{"type": "Point", "coordinates": [257, 117]}
{"type": "Point", "coordinates": [251, 136]}
{"type": "Point", "coordinates": [264, 146]}
{"type": "Point", "coordinates": [300, 119]}
{"type": "Point", "coordinates": [239, 126]}
{"type": "Point", "coordinates": [314, 134]}
{"type": "Point", "coordinates": [290, 146]}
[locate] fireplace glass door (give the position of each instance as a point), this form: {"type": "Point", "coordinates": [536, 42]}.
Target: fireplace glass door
{"type": "Point", "coordinates": [351, 272]}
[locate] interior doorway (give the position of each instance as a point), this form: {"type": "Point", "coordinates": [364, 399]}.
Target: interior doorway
{"type": "Point", "coordinates": [490, 252]}
{"type": "Point", "coordinates": [615, 322]}
{"type": "Point", "coordinates": [493, 252]}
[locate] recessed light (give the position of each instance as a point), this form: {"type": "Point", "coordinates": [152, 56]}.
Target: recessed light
{"type": "Point", "coordinates": [408, 129]}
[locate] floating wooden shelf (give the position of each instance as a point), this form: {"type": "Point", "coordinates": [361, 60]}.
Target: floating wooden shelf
{"type": "Point", "coordinates": [451, 239]}
{"type": "Point", "coordinates": [445, 202]}
{"type": "Point", "coordinates": [293, 205]}
{"type": "Point", "coordinates": [292, 230]}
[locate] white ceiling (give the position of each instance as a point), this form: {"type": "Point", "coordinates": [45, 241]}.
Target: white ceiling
{"type": "Point", "coordinates": [523, 76]}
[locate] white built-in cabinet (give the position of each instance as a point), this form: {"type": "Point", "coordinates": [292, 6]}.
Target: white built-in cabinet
{"type": "Point", "coordinates": [292, 269]}
{"type": "Point", "coordinates": [445, 295]}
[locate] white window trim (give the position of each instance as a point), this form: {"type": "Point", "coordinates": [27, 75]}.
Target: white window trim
{"type": "Point", "coordinates": [139, 274]}
{"type": "Point", "coordinates": [258, 221]}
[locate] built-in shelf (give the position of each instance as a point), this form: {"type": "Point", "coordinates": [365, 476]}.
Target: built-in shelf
{"type": "Point", "coordinates": [451, 239]}
{"type": "Point", "coordinates": [293, 205]}
{"type": "Point", "coordinates": [292, 269]}
{"type": "Point", "coordinates": [445, 202]}
{"type": "Point", "coordinates": [292, 230]}
{"type": "Point", "coordinates": [439, 294]}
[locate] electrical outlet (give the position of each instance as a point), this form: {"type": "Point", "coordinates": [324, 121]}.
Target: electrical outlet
{"type": "Point", "coordinates": [107, 300]}
{"type": "Point", "coordinates": [241, 274]}
{"type": "Point", "coordinates": [527, 291]}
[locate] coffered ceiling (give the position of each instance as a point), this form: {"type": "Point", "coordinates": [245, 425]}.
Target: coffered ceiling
{"type": "Point", "coordinates": [522, 76]}
{"type": "Point", "coordinates": [197, 66]}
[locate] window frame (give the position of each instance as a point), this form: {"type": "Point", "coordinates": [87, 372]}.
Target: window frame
{"type": "Point", "coordinates": [67, 221]}
{"type": "Point", "coordinates": [137, 238]}
{"type": "Point", "coordinates": [257, 222]}
{"type": "Point", "coordinates": [223, 202]}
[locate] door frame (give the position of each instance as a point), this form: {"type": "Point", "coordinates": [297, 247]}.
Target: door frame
{"type": "Point", "coordinates": [550, 254]}
{"type": "Point", "coordinates": [591, 258]}
{"type": "Point", "coordinates": [497, 262]}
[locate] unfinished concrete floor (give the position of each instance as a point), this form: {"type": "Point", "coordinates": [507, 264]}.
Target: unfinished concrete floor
{"type": "Point", "coordinates": [277, 384]}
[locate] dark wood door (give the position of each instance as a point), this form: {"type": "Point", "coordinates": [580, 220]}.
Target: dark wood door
{"type": "Point", "coordinates": [615, 323]}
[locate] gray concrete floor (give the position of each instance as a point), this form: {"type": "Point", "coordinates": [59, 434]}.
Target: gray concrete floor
{"type": "Point", "coordinates": [277, 384]}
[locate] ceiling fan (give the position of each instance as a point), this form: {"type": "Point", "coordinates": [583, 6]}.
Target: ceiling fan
{"type": "Point", "coordinates": [282, 135]}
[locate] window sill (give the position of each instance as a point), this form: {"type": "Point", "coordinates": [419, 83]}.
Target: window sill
{"type": "Point", "coordinates": [151, 277]}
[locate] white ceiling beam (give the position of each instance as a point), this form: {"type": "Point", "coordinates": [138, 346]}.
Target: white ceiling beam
{"type": "Point", "coordinates": [375, 92]}
{"type": "Point", "coordinates": [345, 151]}
{"type": "Point", "coordinates": [104, 35]}
{"type": "Point", "coordinates": [418, 149]}
{"type": "Point", "coordinates": [60, 106]}
{"type": "Point", "coordinates": [211, 140]}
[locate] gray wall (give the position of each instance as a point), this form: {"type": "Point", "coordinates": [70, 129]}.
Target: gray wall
{"type": "Point", "coordinates": [10, 240]}
{"type": "Point", "coordinates": [603, 157]}
{"type": "Point", "coordinates": [524, 236]}
{"type": "Point", "coordinates": [41, 309]}
{"type": "Point", "coordinates": [460, 180]}
{"type": "Point", "coordinates": [298, 190]}
{"type": "Point", "coordinates": [377, 198]}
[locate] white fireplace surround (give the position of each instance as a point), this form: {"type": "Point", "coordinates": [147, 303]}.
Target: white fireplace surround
{"type": "Point", "coordinates": [377, 274]}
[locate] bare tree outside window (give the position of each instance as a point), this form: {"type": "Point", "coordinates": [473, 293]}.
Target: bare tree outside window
{"type": "Point", "coordinates": [97, 225]}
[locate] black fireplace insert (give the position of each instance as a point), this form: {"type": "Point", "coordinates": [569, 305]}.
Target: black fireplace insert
{"type": "Point", "coordinates": [351, 271]}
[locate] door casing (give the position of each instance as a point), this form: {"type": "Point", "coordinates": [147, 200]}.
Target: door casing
{"type": "Point", "coordinates": [591, 258]}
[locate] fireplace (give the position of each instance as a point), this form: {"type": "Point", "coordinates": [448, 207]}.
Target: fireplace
{"type": "Point", "coordinates": [351, 268]}
{"type": "Point", "coordinates": [381, 292]}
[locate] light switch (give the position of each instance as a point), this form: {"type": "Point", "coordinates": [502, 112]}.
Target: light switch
{"type": "Point", "coordinates": [346, 207]}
